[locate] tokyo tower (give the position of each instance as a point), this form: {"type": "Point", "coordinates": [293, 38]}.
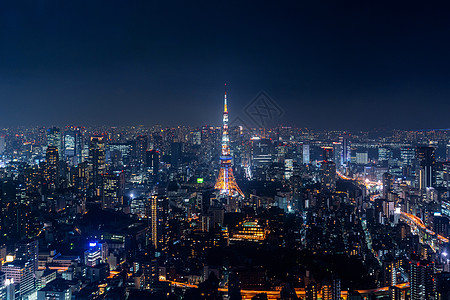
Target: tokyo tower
{"type": "Point", "coordinates": [226, 183]}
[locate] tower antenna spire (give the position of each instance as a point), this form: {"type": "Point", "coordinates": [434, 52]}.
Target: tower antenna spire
{"type": "Point", "coordinates": [226, 183]}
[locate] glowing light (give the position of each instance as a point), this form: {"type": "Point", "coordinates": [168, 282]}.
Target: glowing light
{"type": "Point", "coordinates": [9, 258]}
{"type": "Point", "coordinates": [92, 244]}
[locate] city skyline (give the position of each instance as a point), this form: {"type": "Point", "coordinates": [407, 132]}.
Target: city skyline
{"type": "Point", "coordinates": [224, 151]}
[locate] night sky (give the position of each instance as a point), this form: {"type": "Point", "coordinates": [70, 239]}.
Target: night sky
{"type": "Point", "coordinates": [335, 65]}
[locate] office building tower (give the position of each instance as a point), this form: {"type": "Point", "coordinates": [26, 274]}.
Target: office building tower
{"type": "Point", "coordinates": [426, 167]}
{"type": "Point", "coordinates": [311, 291]}
{"type": "Point", "coordinates": [422, 281]}
{"type": "Point", "coordinates": [306, 154]}
{"type": "Point", "coordinates": [152, 161]}
{"type": "Point", "coordinates": [337, 154]}
{"type": "Point", "coordinates": [362, 158]}
{"type": "Point", "coordinates": [390, 268]}
{"type": "Point", "coordinates": [93, 256]}
{"type": "Point", "coordinates": [113, 190]}
{"type": "Point", "coordinates": [262, 152]}
{"type": "Point", "coordinates": [52, 170]}
{"type": "Point", "coordinates": [21, 273]}
{"type": "Point", "coordinates": [407, 160]}
{"type": "Point", "coordinates": [72, 146]}
{"type": "Point", "coordinates": [384, 154]}
{"type": "Point", "coordinates": [447, 152]}
{"type": "Point", "coordinates": [28, 250]}
{"type": "Point", "coordinates": [141, 148]}
{"type": "Point", "coordinates": [346, 150]}
{"type": "Point", "coordinates": [327, 154]}
{"type": "Point", "coordinates": [396, 293]}
{"type": "Point", "coordinates": [387, 184]}
{"type": "Point", "coordinates": [335, 288]}
{"type": "Point", "coordinates": [197, 138]}
{"type": "Point", "coordinates": [96, 164]}
{"type": "Point", "coordinates": [446, 175]}
{"type": "Point", "coordinates": [328, 177]}
{"type": "Point", "coordinates": [54, 140]}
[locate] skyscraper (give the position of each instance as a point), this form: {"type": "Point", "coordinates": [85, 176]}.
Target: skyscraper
{"type": "Point", "coordinates": [28, 250]}
{"type": "Point", "coordinates": [97, 163]}
{"type": "Point", "coordinates": [54, 140]}
{"type": "Point", "coordinates": [346, 150]}
{"type": "Point", "coordinates": [72, 145]}
{"type": "Point", "coordinates": [426, 167]}
{"type": "Point", "coordinates": [387, 184]}
{"type": "Point", "coordinates": [51, 172]}
{"type": "Point", "coordinates": [141, 147]}
{"type": "Point", "coordinates": [152, 161]}
{"type": "Point", "coordinates": [422, 280]}
{"type": "Point", "coordinates": [328, 177]}
{"type": "Point", "coordinates": [113, 190]}
{"type": "Point", "coordinates": [306, 154]}
{"type": "Point", "coordinates": [226, 183]}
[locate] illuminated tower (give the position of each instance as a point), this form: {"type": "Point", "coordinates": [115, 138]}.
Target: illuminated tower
{"type": "Point", "coordinates": [226, 182]}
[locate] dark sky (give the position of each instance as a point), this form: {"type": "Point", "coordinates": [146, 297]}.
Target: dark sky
{"type": "Point", "coordinates": [333, 64]}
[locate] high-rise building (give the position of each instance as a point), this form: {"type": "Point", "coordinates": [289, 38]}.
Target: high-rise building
{"type": "Point", "coordinates": [72, 146]}
{"type": "Point", "coordinates": [311, 292]}
{"type": "Point", "coordinates": [447, 152]}
{"type": "Point", "coordinates": [96, 164]}
{"type": "Point", "coordinates": [337, 154]}
{"type": "Point", "coordinates": [52, 170]}
{"type": "Point", "coordinates": [327, 154]}
{"type": "Point", "coordinates": [262, 151]}
{"type": "Point", "coordinates": [422, 280]}
{"type": "Point", "coordinates": [407, 159]}
{"type": "Point", "coordinates": [362, 158]}
{"type": "Point", "coordinates": [54, 140]}
{"type": "Point", "coordinates": [346, 150]}
{"type": "Point", "coordinates": [21, 272]}
{"type": "Point", "coordinates": [306, 154]}
{"type": "Point", "coordinates": [141, 147]}
{"type": "Point", "coordinates": [152, 161]}
{"type": "Point", "coordinates": [157, 213]}
{"type": "Point", "coordinates": [328, 177]}
{"type": "Point", "coordinates": [426, 167]}
{"type": "Point", "coordinates": [113, 190]}
{"type": "Point", "coordinates": [197, 138]}
{"type": "Point", "coordinates": [384, 154]}
{"type": "Point", "coordinates": [390, 268]}
{"type": "Point", "coordinates": [387, 184]}
{"type": "Point", "coordinates": [28, 250]}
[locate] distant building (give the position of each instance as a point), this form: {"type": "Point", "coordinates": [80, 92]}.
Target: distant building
{"type": "Point", "coordinates": [96, 164]}
{"type": "Point", "coordinates": [21, 272]}
{"type": "Point", "coordinates": [426, 167]}
{"type": "Point", "coordinates": [54, 140]}
{"type": "Point", "coordinates": [328, 177]}
{"type": "Point", "coordinates": [57, 289]}
{"type": "Point", "coordinates": [422, 281]}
